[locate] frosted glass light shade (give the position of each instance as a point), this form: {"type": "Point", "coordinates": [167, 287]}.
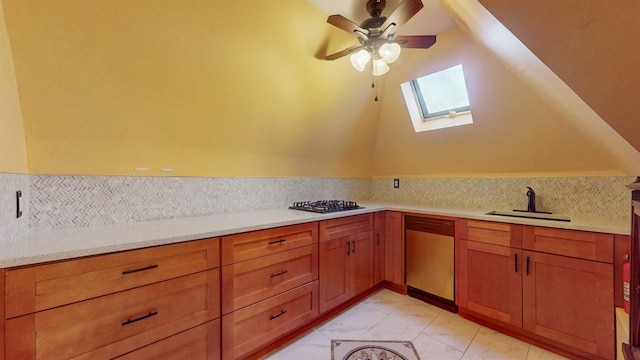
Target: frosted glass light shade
{"type": "Point", "coordinates": [380, 67]}
{"type": "Point", "coordinates": [389, 52]}
{"type": "Point", "coordinates": [360, 59]}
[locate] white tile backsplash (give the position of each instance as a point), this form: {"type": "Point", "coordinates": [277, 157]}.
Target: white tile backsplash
{"type": "Point", "coordinates": [69, 201]}
{"type": "Point", "coordinates": [53, 201]}
{"type": "Point", "coordinates": [580, 196]}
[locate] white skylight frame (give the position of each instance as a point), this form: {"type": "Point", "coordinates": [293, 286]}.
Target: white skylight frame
{"type": "Point", "coordinates": [457, 115]}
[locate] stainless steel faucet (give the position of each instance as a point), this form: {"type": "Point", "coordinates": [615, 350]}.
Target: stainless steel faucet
{"type": "Point", "coordinates": [531, 207]}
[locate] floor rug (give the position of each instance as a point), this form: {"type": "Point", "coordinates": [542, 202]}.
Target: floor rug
{"type": "Point", "coordinates": [372, 350]}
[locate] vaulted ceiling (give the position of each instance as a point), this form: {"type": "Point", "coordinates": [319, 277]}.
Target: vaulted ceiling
{"type": "Point", "coordinates": [233, 89]}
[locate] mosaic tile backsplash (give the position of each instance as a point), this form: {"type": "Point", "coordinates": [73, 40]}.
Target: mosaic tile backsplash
{"type": "Point", "coordinates": [580, 196]}
{"type": "Point", "coordinates": [71, 201]}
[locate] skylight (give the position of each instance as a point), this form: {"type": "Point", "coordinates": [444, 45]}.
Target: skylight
{"type": "Point", "coordinates": [438, 100]}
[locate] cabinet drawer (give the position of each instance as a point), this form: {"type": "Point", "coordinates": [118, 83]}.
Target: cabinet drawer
{"type": "Point", "coordinates": [112, 325]}
{"type": "Point", "coordinates": [254, 244]}
{"type": "Point", "coordinates": [247, 330]}
{"type": "Point", "coordinates": [492, 233]}
{"type": "Point", "coordinates": [202, 342]}
{"type": "Point", "coordinates": [574, 243]}
{"type": "Point", "coordinates": [337, 228]}
{"type": "Point", "coordinates": [251, 281]}
{"type": "Point", "coordinates": [40, 287]}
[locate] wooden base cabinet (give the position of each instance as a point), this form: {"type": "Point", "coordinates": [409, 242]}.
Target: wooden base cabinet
{"type": "Point", "coordinates": [491, 281]}
{"type": "Point", "coordinates": [346, 259]}
{"type": "Point", "coordinates": [552, 296]}
{"type": "Point", "coordinates": [269, 286]}
{"type": "Point", "coordinates": [394, 248]}
{"type": "Point", "coordinates": [106, 306]}
{"type": "Point", "coordinates": [378, 247]}
{"type": "Point", "coordinates": [570, 301]}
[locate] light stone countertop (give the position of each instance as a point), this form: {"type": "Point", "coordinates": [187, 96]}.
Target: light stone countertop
{"type": "Point", "coordinates": [65, 243]}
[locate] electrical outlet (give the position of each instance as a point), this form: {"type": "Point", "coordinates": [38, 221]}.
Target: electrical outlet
{"type": "Point", "coordinates": [396, 183]}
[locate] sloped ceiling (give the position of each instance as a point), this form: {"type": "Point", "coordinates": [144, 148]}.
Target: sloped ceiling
{"type": "Point", "coordinates": [591, 45]}
{"type": "Point", "coordinates": [561, 132]}
{"type": "Point", "coordinates": [234, 89]}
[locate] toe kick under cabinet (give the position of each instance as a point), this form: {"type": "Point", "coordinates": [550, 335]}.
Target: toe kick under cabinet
{"type": "Point", "coordinates": [269, 286]}
{"type": "Point", "coordinates": [159, 302]}
{"type": "Point", "coordinates": [552, 285]}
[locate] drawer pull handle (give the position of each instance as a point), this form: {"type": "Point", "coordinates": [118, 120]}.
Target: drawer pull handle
{"type": "Point", "coordinates": [140, 269]}
{"type": "Point", "coordinates": [273, 242]}
{"type": "Point", "coordinates": [131, 321]}
{"type": "Point", "coordinates": [527, 272]}
{"type": "Point", "coordinates": [280, 273]}
{"type": "Point", "coordinates": [277, 315]}
{"type": "Point", "coordinates": [516, 262]}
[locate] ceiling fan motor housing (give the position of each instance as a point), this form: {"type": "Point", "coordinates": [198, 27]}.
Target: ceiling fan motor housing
{"type": "Point", "coordinates": [375, 7]}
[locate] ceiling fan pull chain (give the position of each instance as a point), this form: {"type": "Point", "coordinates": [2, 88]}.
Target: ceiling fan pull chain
{"type": "Point", "coordinates": [373, 85]}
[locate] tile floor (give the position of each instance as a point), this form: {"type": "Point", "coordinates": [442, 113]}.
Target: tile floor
{"type": "Point", "coordinates": [436, 333]}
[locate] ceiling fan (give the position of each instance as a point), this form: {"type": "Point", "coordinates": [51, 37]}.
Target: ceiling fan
{"type": "Point", "coordinates": [377, 35]}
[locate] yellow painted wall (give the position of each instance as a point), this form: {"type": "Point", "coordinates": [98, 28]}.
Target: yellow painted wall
{"type": "Point", "coordinates": [13, 150]}
{"type": "Point", "coordinates": [240, 88]}
{"type": "Point", "coordinates": [514, 132]}
{"type": "Point", "coordinates": [207, 88]}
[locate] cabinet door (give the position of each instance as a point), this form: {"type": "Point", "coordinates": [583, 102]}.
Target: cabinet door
{"type": "Point", "coordinates": [394, 248]}
{"type": "Point", "coordinates": [491, 281]}
{"type": "Point", "coordinates": [570, 301]}
{"type": "Point", "coordinates": [334, 281]}
{"type": "Point", "coordinates": [378, 248]}
{"type": "Point", "coordinates": [360, 263]}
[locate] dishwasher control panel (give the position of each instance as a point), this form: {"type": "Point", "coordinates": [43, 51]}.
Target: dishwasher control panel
{"type": "Point", "coordinates": [430, 225]}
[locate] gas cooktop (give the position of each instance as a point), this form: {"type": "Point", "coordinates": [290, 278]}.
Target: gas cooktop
{"type": "Point", "coordinates": [325, 206]}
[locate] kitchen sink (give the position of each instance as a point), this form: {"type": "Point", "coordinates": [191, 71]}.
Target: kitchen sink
{"type": "Point", "coordinates": [529, 215]}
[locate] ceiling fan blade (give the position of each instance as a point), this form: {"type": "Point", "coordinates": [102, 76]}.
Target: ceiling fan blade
{"type": "Point", "coordinates": [345, 24]}
{"type": "Point", "coordinates": [416, 41]}
{"type": "Point", "coordinates": [403, 13]}
{"type": "Point", "coordinates": [344, 52]}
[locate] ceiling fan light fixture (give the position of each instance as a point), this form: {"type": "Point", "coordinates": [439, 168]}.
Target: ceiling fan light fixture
{"type": "Point", "coordinates": [380, 67]}
{"type": "Point", "coordinates": [360, 59]}
{"type": "Point", "coordinates": [389, 52]}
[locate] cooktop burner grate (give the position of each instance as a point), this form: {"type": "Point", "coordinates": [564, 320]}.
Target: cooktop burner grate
{"type": "Point", "coordinates": [325, 206]}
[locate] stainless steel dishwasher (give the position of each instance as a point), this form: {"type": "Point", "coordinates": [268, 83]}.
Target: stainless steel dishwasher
{"type": "Point", "coordinates": [430, 260]}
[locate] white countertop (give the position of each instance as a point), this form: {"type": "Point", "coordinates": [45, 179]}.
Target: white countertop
{"type": "Point", "coordinates": [58, 244]}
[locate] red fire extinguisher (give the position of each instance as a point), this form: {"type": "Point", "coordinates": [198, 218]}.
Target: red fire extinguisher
{"type": "Point", "coordinates": [626, 287]}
